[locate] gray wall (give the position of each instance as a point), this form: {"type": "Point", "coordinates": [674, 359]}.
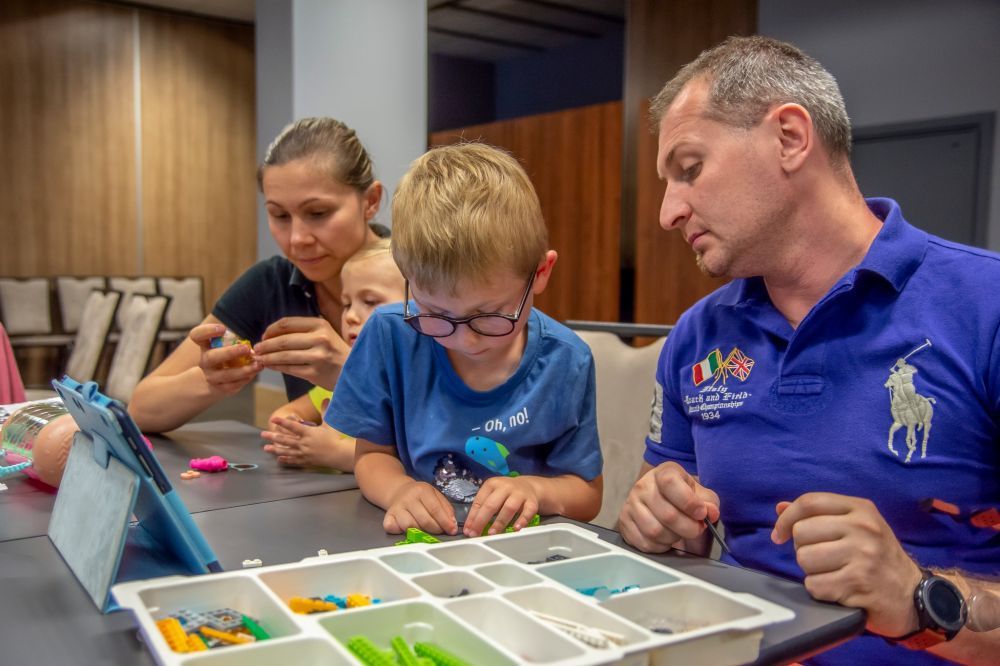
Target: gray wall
{"type": "Point", "coordinates": [903, 60]}
{"type": "Point", "coordinates": [361, 61]}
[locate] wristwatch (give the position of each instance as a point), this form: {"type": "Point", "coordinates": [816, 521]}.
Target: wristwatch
{"type": "Point", "coordinates": [941, 612]}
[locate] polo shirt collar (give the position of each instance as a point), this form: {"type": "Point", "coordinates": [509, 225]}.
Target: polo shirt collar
{"type": "Point", "coordinates": [894, 255]}
{"type": "Point", "coordinates": [897, 250]}
{"type": "Point", "coordinates": [300, 281]}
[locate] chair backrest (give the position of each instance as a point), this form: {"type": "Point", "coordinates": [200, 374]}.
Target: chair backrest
{"type": "Point", "coordinates": [625, 378]}
{"type": "Point", "coordinates": [143, 317]}
{"type": "Point", "coordinates": [25, 307]}
{"type": "Point", "coordinates": [129, 286]}
{"type": "Point", "coordinates": [95, 321]}
{"type": "Point", "coordinates": [187, 303]}
{"type": "Point", "coordinates": [72, 293]}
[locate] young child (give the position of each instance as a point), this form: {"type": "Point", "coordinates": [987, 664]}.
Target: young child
{"type": "Point", "coordinates": [369, 279]}
{"type": "Point", "coordinates": [466, 393]}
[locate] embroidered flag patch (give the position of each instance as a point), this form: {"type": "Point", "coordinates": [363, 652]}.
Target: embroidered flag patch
{"type": "Point", "coordinates": [739, 364]}
{"type": "Point", "coordinates": [701, 372]}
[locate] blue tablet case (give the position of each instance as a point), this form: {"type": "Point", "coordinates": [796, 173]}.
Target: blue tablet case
{"type": "Point", "coordinates": [111, 475]}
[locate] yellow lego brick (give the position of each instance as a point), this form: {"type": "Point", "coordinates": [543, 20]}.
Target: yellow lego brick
{"type": "Point", "coordinates": [195, 644]}
{"type": "Point", "coordinates": [174, 634]}
{"type": "Point", "coordinates": [305, 606]}
{"type": "Point", "coordinates": [225, 636]}
{"type": "Point", "coordinates": [355, 600]}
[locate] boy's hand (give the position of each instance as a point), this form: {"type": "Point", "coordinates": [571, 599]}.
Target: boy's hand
{"type": "Point", "coordinates": [297, 443]}
{"type": "Point", "coordinates": [421, 505]}
{"type": "Point", "coordinates": [506, 498]}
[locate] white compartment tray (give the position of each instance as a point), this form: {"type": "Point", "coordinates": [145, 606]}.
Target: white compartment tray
{"type": "Point", "coordinates": [482, 600]}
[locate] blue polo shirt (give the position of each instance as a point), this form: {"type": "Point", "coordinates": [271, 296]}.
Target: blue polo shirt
{"type": "Point", "coordinates": [889, 389]}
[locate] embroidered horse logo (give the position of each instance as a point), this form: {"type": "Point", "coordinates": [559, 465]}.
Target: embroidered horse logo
{"type": "Point", "coordinates": [908, 407]}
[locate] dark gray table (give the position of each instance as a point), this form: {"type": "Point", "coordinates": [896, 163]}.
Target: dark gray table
{"type": "Point", "coordinates": [26, 505]}
{"type": "Point", "coordinates": [40, 598]}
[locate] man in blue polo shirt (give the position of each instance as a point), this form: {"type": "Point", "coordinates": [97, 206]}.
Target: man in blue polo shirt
{"type": "Point", "coordinates": [845, 380]}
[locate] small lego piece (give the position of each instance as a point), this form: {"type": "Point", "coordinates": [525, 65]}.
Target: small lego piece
{"type": "Point", "coordinates": [3, 487]}
{"type": "Point", "coordinates": [305, 606]}
{"type": "Point", "coordinates": [255, 629]}
{"type": "Point", "coordinates": [358, 600]}
{"type": "Point", "coordinates": [190, 474]}
{"type": "Point", "coordinates": [250, 564]}
{"type": "Point", "coordinates": [210, 464]}
{"type": "Point", "coordinates": [368, 653]}
{"type": "Point", "coordinates": [438, 655]}
{"type": "Point", "coordinates": [322, 552]}
{"type": "Point", "coordinates": [535, 521]}
{"type": "Point", "coordinates": [334, 599]}
{"type": "Point", "coordinates": [195, 643]}
{"type": "Point", "coordinates": [225, 636]}
{"type": "Point", "coordinates": [173, 634]}
{"type": "Point", "coordinates": [415, 535]}
{"type": "Point", "coordinates": [229, 338]}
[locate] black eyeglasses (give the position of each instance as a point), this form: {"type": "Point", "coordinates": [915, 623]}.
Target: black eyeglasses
{"type": "Point", "coordinates": [492, 324]}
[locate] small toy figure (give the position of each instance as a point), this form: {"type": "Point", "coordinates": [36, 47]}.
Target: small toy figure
{"type": "Point", "coordinates": [229, 338]}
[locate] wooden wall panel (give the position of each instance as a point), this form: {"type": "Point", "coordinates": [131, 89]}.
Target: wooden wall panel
{"type": "Point", "coordinates": [574, 160]}
{"type": "Point", "coordinates": [198, 143]}
{"type": "Point", "coordinates": [662, 36]}
{"type": "Point", "coordinates": [67, 150]}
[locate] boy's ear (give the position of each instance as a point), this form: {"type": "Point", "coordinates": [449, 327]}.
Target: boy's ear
{"type": "Point", "coordinates": [544, 272]}
{"type": "Point", "coordinates": [372, 200]}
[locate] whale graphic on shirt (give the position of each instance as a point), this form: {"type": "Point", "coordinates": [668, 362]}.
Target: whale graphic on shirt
{"type": "Point", "coordinates": [489, 453]}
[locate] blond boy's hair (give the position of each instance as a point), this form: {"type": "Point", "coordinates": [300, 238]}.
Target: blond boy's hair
{"type": "Point", "coordinates": [465, 212]}
{"type": "Point", "coordinates": [377, 247]}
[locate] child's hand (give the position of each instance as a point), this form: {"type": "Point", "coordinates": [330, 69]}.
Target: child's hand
{"type": "Point", "coordinates": [421, 505]}
{"type": "Point", "coordinates": [298, 443]}
{"type": "Point", "coordinates": [505, 498]}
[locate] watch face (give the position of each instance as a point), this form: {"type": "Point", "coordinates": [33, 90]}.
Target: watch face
{"type": "Point", "coordinates": [945, 604]}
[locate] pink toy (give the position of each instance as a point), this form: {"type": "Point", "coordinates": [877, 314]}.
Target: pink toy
{"type": "Point", "coordinates": [213, 464]}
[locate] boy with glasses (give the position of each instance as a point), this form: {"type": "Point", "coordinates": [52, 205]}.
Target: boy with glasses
{"type": "Point", "coordinates": [465, 393]}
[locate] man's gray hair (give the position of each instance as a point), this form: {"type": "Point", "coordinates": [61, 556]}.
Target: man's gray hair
{"type": "Point", "coordinates": [750, 75]}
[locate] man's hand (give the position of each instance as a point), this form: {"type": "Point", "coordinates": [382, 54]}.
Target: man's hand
{"type": "Point", "coordinates": [305, 347]}
{"type": "Point", "coordinates": [667, 508]}
{"type": "Point", "coordinates": [421, 505]}
{"type": "Point", "coordinates": [851, 556]}
{"type": "Point", "coordinates": [506, 498]}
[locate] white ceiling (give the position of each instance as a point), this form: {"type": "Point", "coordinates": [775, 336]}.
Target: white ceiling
{"type": "Point", "coordinates": [481, 29]}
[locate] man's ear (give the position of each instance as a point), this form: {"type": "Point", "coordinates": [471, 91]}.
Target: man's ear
{"type": "Point", "coordinates": [796, 134]}
{"type": "Point", "coordinates": [372, 200]}
{"type": "Point", "coordinates": [544, 272]}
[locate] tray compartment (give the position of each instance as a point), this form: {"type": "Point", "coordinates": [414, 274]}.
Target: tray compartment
{"type": "Point", "coordinates": [529, 547]}
{"type": "Point", "coordinates": [410, 562]}
{"type": "Point", "coordinates": [678, 609]}
{"type": "Point", "coordinates": [415, 621]}
{"type": "Point", "coordinates": [532, 641]}
{"type": "Point", "coordinates": [569, 606]}
{"type": "Point", "coordinates": [463, 554]}
{"type": "Point", "coordinates": [508, 575]}
{"type": "Point", "coordinates": [340, 578]}
{"type": "Point", "coordinates": [449, 584]}
{"type": "Point", "coordinates": [607, 573]}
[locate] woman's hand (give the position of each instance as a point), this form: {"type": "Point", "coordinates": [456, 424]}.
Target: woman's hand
{"type": "Point", "coordinates": [305, 347]}
{"type": "Point", "coordinates": [226, 369]}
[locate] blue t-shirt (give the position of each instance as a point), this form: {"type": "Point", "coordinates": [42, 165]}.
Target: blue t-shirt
{"type": "Point", "coordinates": [399, 388]}
{"type": "Point", "coordinates": [889, 389]}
